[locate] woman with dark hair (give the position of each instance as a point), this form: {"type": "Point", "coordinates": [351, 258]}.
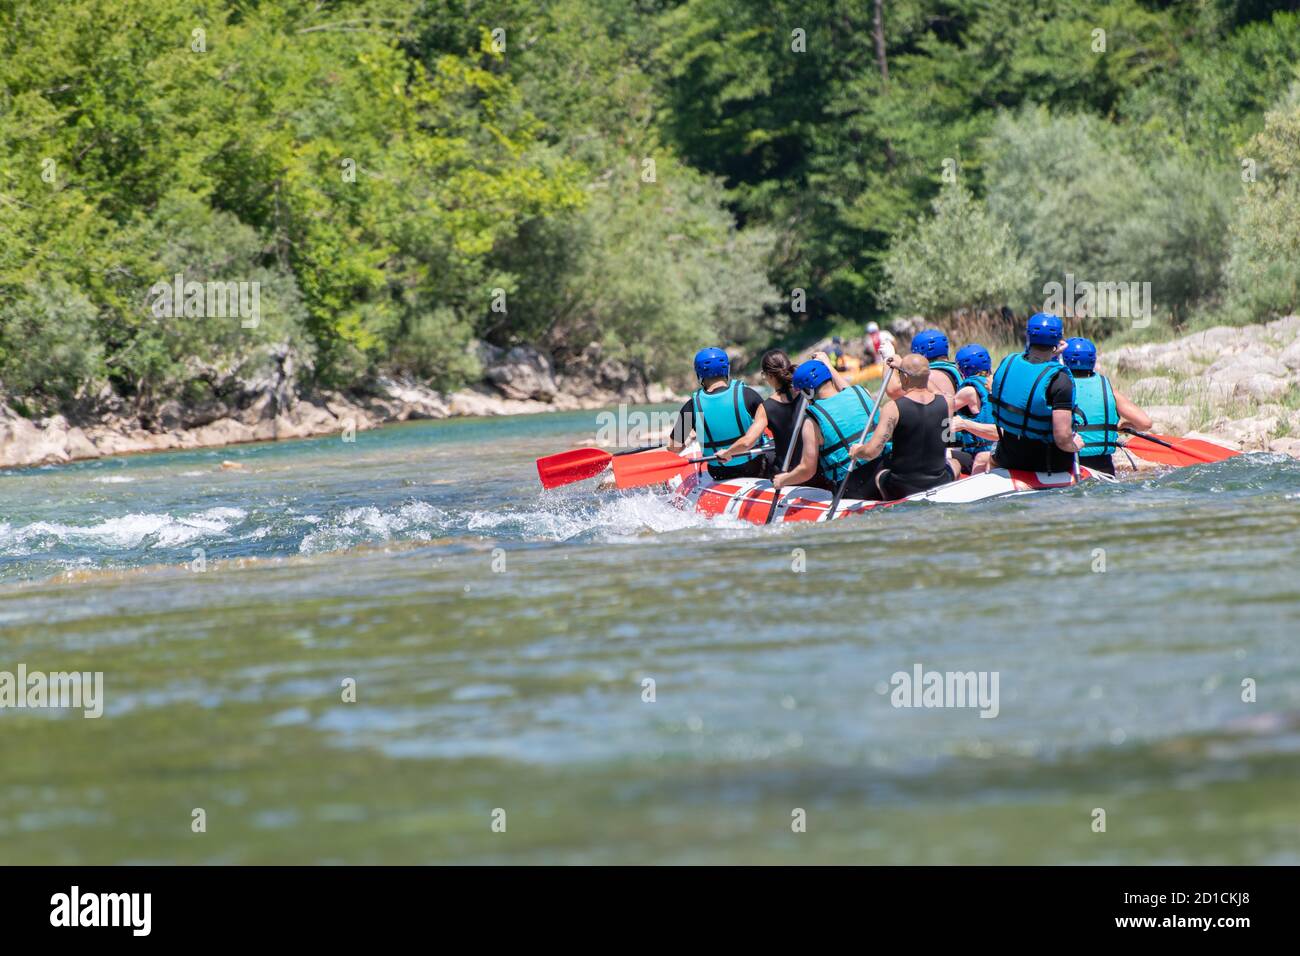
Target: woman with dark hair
{"type": "Point", "coordinates": [776, 413]}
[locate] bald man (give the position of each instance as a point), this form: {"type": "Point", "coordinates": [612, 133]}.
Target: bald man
{"type": "Point", "coordinates": [917, 423]}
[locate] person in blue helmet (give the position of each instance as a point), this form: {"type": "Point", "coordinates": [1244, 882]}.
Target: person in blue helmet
{"type": "Point", "coordinates": [932, 345]}
{"type": "Point", "coordinates": [720, 411]}
{"type": "Point", "coordinates": [972, 412]}
{"type": "Point", "coordinates": [1099, 410]}
{"type": "Point", "coordinates": [1033, 403]}
{"type": "Point", "coordinates": [835, 421]}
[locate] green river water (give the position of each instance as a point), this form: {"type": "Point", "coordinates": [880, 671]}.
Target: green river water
{"type": "Point", "coordinates": [499, 639]}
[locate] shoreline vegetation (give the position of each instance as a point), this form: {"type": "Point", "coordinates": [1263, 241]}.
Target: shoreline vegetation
{"type": "Point", "coordinates": [224, 221]}
{"type": "Point", "coordinates": [1238, 386]}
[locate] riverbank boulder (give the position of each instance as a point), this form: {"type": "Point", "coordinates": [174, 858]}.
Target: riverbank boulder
{"type": "Point", "coordinates": [521, 373]}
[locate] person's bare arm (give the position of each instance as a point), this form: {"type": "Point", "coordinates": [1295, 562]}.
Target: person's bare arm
{"type": "Point", "coordinates": [836, 376]}
{"type": "Point", "coordinates": [807, 466]}
{"type": "Point", "coordinates": [748, 440]}
{"type": "Point", "coordinates": [966, 399]}
{"type": "Point", "coordinates": [1130, 415]}
{"type": "Point", "coordinates": [986, 430]}
{"type": "Point", "coordinates": [894, 387]}
{"type": "Point", "coordinates": [1063, 430]}
{"type": "Point", "coordinates": [884, 431]}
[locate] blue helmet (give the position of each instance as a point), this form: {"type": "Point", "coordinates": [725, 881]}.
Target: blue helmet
{"type": "Point", "coordinates": [1043, 328]}
{"type": "Point", "coordinates": [973, 358]}
{"type": "Point", "coordinates": [1080, 355]}
{"type": "Point", "coordinates": [712, 363]}
{"type": "Point", "coordinates": [811, 375]}
{"type": "Point", "coordinates": [931, 343]}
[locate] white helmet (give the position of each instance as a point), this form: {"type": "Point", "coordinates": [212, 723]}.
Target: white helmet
{"type": "Point", "coordinates": [872, 327]}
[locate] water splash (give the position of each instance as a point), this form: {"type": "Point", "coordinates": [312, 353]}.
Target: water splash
{"type": "Point", "coordinates": [367, 525]}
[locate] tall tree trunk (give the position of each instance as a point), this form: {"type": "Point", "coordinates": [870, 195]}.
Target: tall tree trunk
{"type": "Point", "coordinates": [881, 61]}
{"type": "Point", "coordinates": [880, 42]}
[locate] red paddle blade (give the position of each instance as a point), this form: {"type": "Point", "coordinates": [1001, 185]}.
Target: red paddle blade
{"type": "Point", "coordinates": [647, 468]}
{"type": "Point", "coordinates": [570, 466]}
{"type": "Point", "coordinates": [1185, 451]}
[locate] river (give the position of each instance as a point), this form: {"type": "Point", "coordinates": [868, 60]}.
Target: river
{"type": "Point", "coordinates": [567, 677]}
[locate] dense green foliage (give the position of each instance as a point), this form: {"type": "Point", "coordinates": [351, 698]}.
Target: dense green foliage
{"type": "Point", "coordinates": [401, 179]}
{"type": "Point", "coordinates": [960, 258]}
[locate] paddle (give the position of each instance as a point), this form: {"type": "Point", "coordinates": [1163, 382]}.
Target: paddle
{"type": "Point", "coordinates": [1180, 452]}
{"type": "Point", "coordinates": [789, 454]}
{"type": "Point", "coordinates": [871, 421]}
{"type": "Point", "coordinates": [569, 466]}
{"type": "Point", "coordinates": [655, 468]}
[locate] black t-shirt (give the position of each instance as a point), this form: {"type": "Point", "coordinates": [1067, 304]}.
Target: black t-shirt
{"type": "Point", "coordinates": [1025, 454]}
{"type": "Point", "coordinates": [684, 423]}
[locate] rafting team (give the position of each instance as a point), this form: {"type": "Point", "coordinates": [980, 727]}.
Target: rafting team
{"type": "Point", "coordinates": [1042, 410]}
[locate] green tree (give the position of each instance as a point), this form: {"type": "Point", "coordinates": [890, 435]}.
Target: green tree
{"type": "Point", "coordinates": [1263, 272]}
{"type": "Point", "coordinates": [960, 258]}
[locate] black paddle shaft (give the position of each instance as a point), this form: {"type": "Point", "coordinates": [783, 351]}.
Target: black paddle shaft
{"type": "Point", "coordinates": [633, 451]}
{"type": "Point", "coordinates": [789, 453]}
{"type": "Point", "coordinates": [1151, 438]}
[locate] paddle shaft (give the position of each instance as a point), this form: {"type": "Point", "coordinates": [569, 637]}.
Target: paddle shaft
{"type": "Point", "coordinates": [871, 421]}
{"type": "Point", "coordinates": [658, 467]}
{"type": "Point", "coordinates": [789, 454]}
{"type": "Point", "coordinates": [700, 461]}
{"type": "Point", "coordinates": [1151, 438]}
{"type": "Point", "coordinates": [633, 451]}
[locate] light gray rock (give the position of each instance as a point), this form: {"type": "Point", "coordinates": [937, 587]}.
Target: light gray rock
{"type": "Point", "coordinates": [1285, 446]}
{"type": "Point", "coordinates": [1152, 387]}
{"type": "Point", "coordinates": [414, 399]}
{"type": "Point", "coordinates": [1216, 437]}
{"type": "Point", "coordinates": [1290, 356]}
{"type": "Point", "coordinates": [1254, 359]}
{"type": "Point", "coordinates": [523, 374]}
{"type": "Point", "coordinates": [1170, 418]}
{"type": "Point", "coordinates": [1251, 434]}
{"type": "Point", "coordinates": [224, 431]}
{"type": "Point", "coordinates": [479, 401]}
{"type": "Point", "coordinates": [1248, 384]}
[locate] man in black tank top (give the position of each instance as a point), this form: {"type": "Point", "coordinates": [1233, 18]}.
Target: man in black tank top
{"type": "Point", "coordinates": [917, 423]}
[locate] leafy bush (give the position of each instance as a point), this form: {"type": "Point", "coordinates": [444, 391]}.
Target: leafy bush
{"type": "Point", "coordinates": [48, 345]}
{"type": "Point", "coordinates": [1263, 273]}
{"type": "Point", "coordinates": [960, 258]}
{"type": "Point", "coordinates": [1081, 204]}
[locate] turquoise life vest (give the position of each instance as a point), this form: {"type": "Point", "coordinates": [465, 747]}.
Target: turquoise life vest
{"type": "Point", "coordinates": [1096, 417]}
{"type": "Point", "coordinates": [842, 418]}
{"type": "Point", "coordinates": [974, 443]}
{"type": "Point", "coordinates": [721, 418]}
{"type": "Point", "coordinates": [1019, 397]}
{"type": "Point", "coordinates": [944, 365]}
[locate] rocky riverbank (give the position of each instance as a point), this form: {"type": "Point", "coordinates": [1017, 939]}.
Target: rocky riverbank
{"type": "Point", "coordinates": [1238, 386]}
{"type": "Point", "coordinates": [272, 406]}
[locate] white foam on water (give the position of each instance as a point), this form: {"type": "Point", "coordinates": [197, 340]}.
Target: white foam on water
{"type": "Point", "coordinates": [127, 531]}
{"type": "Point", "coordinates": [611, 519]}
{"type": "Point", "coordinates": [113, 480]}
{"type": "Point", "coordinates": [358, 525]}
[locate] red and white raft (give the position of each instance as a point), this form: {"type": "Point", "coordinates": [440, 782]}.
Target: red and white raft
{"type": "Point", "coordinates": [750, 499]}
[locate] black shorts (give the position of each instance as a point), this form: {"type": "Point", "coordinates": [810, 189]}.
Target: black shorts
{"type": "Point", "coordinates": [1102, 463]}
{"type": "Point", "coordinates": [893, 488]}
{"type": "Point", "coordinates": [963, 458]}
{"type": "Point", "coordinates": [862, 481]}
